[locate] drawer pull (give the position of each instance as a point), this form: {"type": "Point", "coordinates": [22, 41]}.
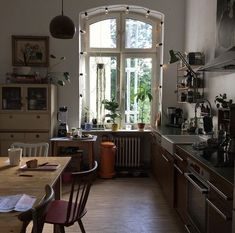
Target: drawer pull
{"type": "Point", "coordinates": [219, 192]}
{"type": "Point", "coordinates": [164, 157]}
{"type": "Point", "coordinates": [187, 228]}
{"type": "Point", "coordinates": [178, 157]}
{"type": "Point", "coordinates": [12, 135]}
{"type": "Point", "coordinates": [38, 117]}
{"type": "Point", "coordinates": [37, 136]}
{"type": "Point", "coordinates": [226, 218]}
{"type": "Point", "coordinates": [178, 169]}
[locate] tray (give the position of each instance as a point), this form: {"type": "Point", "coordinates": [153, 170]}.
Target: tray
{"type": "Point", "coordinates": [47, 167]}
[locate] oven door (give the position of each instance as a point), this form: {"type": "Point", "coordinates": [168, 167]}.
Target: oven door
{"type": "Point", "coordinates": [197, 191]}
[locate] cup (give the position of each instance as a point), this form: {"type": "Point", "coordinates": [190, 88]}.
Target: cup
{"type": "Point", "coordinates": [15, 155]}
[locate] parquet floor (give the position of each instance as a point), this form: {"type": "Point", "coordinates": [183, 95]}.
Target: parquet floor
{"type": "Point", "coordinates": [126, 205]}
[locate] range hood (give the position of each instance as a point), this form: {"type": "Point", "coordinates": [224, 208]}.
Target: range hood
{"type": "Point", "coordinates": [224, 62]}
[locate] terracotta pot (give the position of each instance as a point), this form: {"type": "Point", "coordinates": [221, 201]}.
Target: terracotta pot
{"type": "Point", "coordinates": [114, 127]}
{"type": "Point", "coordinates": [141, 126]}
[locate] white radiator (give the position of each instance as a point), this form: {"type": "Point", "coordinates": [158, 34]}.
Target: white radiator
{"type": "Point", "coordinates": [128, 152]}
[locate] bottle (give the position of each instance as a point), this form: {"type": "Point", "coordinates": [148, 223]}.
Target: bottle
{"type": "Point", "coordinates": [221, 135]}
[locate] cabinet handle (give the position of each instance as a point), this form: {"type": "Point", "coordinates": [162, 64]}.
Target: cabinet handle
{"type": "Point", "coordinates": [10, 116]}
{"type": "Point", "coordinates": [187, 229]}
{"type": "Point", "coordinates": [12, 135]}
{"type": "Point", "coordinates": [38, 117]}
{"type": "Point", "coordinates": [178, 157]}
{"type": "Point", "coordinates": [198, 185]}
{"type": "Point", "coordinates": [178, 169]}
{"type": "Point", "coordinates": [164, 157]}
{"type": "Point", "coordinates": [226, 218]}
{"type": "Point", "coordinates": [37, 136]}
{"type": "Point", "coordinates": [219, 192]}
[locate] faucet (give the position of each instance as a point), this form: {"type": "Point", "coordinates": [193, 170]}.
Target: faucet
{"type": "Point", "coordinates": [195, 111]}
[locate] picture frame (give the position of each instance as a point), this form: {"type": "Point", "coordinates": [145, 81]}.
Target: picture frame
{"type": "Point", "coordinates": [30, 50]}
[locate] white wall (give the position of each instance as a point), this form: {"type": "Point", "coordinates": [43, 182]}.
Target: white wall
{"type": "Point", "coordinates": [201, 36]}
{"type": "Point", "coordinates": [32, 17]}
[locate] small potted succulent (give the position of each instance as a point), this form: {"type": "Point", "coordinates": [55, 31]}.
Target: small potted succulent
{"type": "Point", "coordinates": [112, 106]}
{"type": "Point", "coordinates": [221, 101]}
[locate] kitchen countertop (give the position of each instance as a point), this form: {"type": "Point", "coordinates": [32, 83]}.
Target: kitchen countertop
{"type": "Point", "coordinates": [225, 172]}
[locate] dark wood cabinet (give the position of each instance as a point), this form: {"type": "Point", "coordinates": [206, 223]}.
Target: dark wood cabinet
{"type": "Point", "coordinates": [219, 201]}
{"type": "Point", "coordinates": [180, 166]}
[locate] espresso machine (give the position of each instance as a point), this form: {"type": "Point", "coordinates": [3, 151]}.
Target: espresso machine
{"type": "Point", "coordinates": [62, 117]}
{"type": "Point", "coordinates": [175, 117]}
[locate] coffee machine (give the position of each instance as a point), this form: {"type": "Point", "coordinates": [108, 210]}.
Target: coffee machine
{"type": "Point", "coordinates": [175, 116]}
{"type": "Point", "coordinates": [62, 117]}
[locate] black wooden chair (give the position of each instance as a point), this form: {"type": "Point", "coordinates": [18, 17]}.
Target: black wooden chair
{"type": "Point", "coordinates": [37, 214]}
{"type": "Point", "coordinates": [63, 213]}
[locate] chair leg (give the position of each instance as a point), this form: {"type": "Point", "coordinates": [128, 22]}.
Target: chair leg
{"type": "Point", "coordinates": [81, 226]}
{"type": "Point", "coordinates": [58, 229]}
{"type": "Point", "coordinates": [62, 229]}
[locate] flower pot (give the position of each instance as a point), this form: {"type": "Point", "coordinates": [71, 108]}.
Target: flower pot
{"type": "Point", "coordinates": [141, 126]}
{"type": "Point", "coordinates": [114, 127]}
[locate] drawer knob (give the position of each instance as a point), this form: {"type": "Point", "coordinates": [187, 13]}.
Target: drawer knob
{"type": "Point", "coordinates": [12, 135]}
{"type": "Point", "coordinates": [10, 116]}
{"type": "Point", "coordinates": [37, 136]}
{"type": "Point", "coordinates": [38, 117]}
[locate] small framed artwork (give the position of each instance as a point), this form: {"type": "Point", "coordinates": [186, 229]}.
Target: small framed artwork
{"type": "Point", "coordinates": [30, 51]}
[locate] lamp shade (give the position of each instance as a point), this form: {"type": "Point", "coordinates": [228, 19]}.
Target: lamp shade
{"type": "Point", "coordinates": [173, 57]}
{"type": "Point", "coordinates": [62, 27]}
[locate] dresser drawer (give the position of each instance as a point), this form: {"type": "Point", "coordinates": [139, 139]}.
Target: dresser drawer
{"type": "Point", "coordinates": [29, 137]}
{"type": "Point", "coordinates": [11, 136]}
{"type": "Point", "coordinates": [23, 121]}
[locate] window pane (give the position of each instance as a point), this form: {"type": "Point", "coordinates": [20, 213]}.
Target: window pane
{"type": "Point", "coordinates": [138, 74]}
{"type": "Point", "coordinates": [103, 34]}
{"type": "Point", "coordinates": [138, 34]}
{"type": "Point", "coordinates": [103, 84]}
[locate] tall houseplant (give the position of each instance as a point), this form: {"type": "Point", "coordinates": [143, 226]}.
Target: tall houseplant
{"type": "Point", "coordinates": [143, 94]}
{"type": "Point", "coordinates": [112, 107]}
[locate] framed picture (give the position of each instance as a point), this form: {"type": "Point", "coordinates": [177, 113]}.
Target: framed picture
{"type": "Point", "coordinates": [30, 50]}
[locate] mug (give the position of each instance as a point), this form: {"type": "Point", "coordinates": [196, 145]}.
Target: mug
{"type": "Point", "coordinates": [15, 155]}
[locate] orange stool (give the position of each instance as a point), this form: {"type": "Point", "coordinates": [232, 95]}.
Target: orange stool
{"type": "Point", "coordinates": [107, 160]}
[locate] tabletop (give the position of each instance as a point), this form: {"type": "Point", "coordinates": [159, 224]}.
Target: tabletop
{"type": "Point", "coordinates": [12, 182]}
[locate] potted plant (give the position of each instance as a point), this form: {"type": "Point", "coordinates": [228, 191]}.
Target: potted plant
{"type": "Point", "coordinates": [112, 106]}
{"type": "Point", "coordinates": [222, 101]}
{"type": "Point", "coordinates": [65, 76]}
{"type": "Point", "coordinates": [143, 94]}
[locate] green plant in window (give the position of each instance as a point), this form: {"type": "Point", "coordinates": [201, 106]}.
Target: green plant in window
{"type": "Point", "coordinates": [142, 96]}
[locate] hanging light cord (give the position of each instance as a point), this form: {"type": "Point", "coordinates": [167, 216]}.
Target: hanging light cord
{"type": "Point", "coordinates": [62, 11]}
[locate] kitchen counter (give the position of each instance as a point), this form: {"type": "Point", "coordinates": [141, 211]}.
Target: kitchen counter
{"type": "Point", "coordinates": [226, 173]}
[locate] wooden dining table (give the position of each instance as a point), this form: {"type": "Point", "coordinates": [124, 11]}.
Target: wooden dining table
{"type": "Point", "coordinates": [14, 180]}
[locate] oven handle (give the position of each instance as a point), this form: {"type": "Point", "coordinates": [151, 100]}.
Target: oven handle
{"type": "Point", "coordinates": [225, 217]}
{"type": "Point", "coordinates": [202, 190]}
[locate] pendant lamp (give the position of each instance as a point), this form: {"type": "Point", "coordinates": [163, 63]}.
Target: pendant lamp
{"type": "Point", "coordinates": [62, 27]}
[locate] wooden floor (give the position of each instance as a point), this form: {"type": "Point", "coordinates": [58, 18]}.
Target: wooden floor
{"type": "Point", "coordinates": [127, 205]}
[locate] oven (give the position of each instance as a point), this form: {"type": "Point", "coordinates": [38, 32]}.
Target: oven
{"type": "Point", "coordinates": [197, 190]}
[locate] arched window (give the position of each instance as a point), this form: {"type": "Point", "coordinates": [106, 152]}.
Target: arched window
{"type": "Point", "coordinates": [119, 57]}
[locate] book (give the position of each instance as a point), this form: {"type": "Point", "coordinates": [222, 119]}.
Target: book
{"type": "Point", "coordinates": [46, 167]}
{"type": "Point", "coordinates": [18, 202]}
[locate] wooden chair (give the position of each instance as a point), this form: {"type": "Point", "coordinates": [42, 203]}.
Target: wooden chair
{"type": "Point", "coordinates": [37, 214]}
{"type": "Point", "coordinates": [65, 213]}
{"type": "Point", "coordinates": [32, 149]}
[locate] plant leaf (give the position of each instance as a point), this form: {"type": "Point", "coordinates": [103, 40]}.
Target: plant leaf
{"type": "Point", "coordinates": [61, 82]}
{"type": "Point", "coordinates": [52, 56]}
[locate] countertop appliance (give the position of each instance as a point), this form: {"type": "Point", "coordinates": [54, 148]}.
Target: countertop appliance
{"type": "Point", "coordinates": [62, 117]}
{"type": "Point", "coordinates": [175, 117]}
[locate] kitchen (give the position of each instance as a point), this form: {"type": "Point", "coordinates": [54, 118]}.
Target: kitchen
{"type": "Point", "coordinates": [182, 32]}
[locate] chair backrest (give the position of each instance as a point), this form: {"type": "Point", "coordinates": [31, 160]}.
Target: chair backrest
{"type": "Point", "coordinates": [37, 213]}
{"type": "Point", "coordinates": [32, 149]}
{"type": "Point", "coordinates": [79, 193]}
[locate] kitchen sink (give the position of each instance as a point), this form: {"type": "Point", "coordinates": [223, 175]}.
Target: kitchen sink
{"type": "Point", "coordinates": [168, 142]}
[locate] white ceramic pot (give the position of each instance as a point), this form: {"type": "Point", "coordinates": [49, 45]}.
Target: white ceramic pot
{"type": "Point", "coordinates": [22, 70]}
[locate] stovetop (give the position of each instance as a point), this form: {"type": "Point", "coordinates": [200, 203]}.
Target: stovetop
{"type": "Point", "coordinates": [218, 158]}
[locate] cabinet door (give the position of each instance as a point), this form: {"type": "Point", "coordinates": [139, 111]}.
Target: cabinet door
{"type": "Point", "coordinates": [156, 152]}
{"type": "Point", "coordinates": [37, 99]}
{"type": "Point", "coordinates": [166, 171]}
{"type": "Point", "coordinates": [11, 98]}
